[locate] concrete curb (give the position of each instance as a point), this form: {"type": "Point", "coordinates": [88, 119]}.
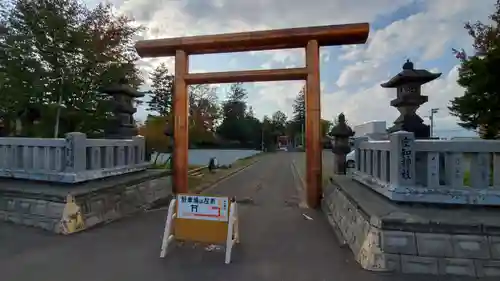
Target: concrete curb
{"type": "Point", "coordinates": [301, 186]}
{"type": "Point", "coordinates": [298, 174]}
{"type": "Point", "coordinates": [296, 170]}
{"type": "Point", "coordinates": [197, 169]}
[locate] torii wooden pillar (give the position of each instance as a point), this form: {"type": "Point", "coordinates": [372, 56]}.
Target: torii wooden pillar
{"type": "Point", "coordinates": [310, 38]}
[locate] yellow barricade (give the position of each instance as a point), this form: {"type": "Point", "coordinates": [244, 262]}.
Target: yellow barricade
{"type": "Point", "coordinates": [205, 219]}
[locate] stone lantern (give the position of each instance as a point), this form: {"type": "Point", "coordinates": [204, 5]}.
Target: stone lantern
{"type": "Point", "coordinates": [122, 125]}
{"type": "Point", "coordinates": [409, 98]}
{"type": "Point", "coordinates": [341, 134]}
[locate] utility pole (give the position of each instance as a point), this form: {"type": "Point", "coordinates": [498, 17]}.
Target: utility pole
{"type": "Point", "coordinates": [58, 116]}
{"type": "Point", "coordinates": [59, 105]}
{"type": "Point", "coordinates": [431, 117]}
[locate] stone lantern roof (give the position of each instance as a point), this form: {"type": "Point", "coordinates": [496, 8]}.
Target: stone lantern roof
{"type": "Point", "coordinates": [410, 75]}
{"type": "Point", "coordinates": [122, 88]}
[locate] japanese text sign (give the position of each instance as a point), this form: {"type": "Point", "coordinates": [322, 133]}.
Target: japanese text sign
{"type": "Point", "coordinates": [197, 207]}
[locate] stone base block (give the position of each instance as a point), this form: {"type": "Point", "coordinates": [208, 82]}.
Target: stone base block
{"type": "Point", "coordinates": [384, 236]}
{"type": "Point", "coordinates": [41, 205]}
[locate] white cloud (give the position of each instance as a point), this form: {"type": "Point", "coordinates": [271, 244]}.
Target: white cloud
{"type": "Point", "coordinates": [361, 71]}
{"type": "Point", "coordinates": [422, 36]}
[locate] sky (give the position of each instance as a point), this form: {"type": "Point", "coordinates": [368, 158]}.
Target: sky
{"type": "Point", "coordinates": [423, 31]}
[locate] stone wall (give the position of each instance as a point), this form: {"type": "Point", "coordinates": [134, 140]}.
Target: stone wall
{"type": "Point", "coordinates": [378, 248]}
{"type": "Point", "coordinates": [44, 210]}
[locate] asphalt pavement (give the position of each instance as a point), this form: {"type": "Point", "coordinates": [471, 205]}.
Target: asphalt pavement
{"type": "Point", "coordinates": [279, 241]}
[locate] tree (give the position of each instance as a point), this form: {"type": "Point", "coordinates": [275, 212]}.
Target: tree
{"type": "Point", "coordinates": [297, 124]}
{"type": "Point", "coordinates": [278, 120]}
{"type": "Point", "coordinates": [299, 108]}
{"type": "Point", "coordinates": [60, 52]}
{"type": "Point", "coordinates": [234, 112]}
{"type": "Point", "coordinates": [153, 132]}
{"type": "Point", "coordinates": [237, 92]}
{"type": "Point", "coordinates": [204, 112]}
{"type": "Point", "coordinates": [268, 133]}
{"type": "Point", "coordinates": [479, 107]}
{"type": "Point", "coordinates": [250, 112]}
{"type": "Point", "coordinates": [325, 127]}
{"type": "Point", "coordinates": [203, 115]}
{"type": "Point", "coordinates": [162, 90]}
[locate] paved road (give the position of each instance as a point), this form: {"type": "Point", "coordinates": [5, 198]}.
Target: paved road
{"type": "Point", "coordinates": [278, 243]}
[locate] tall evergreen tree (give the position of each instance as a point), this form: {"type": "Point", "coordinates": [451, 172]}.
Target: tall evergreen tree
{"type": "Point", "coordinates": [162, 90]}
{"type": "Point", "coordinates": [234, 111]}
{"type": "Point", "coordinates": [299, 107]}
{"type": "Point", "coordinates": [279, 122]}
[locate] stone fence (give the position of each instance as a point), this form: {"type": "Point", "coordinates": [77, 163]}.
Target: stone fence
{"type": "Point", "coordinates": [70, 160]}
{"type": "Point", "coordinates": [430, 171]}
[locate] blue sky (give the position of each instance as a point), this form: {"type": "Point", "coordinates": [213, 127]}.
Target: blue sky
{"type": "Point", "coordinates": [421, 30]}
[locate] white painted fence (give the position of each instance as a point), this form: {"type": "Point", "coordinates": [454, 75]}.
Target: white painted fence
{"type": "Point", "coordinates": [431, 171]}
{"type": "Point", "coordinates": [70, 160]}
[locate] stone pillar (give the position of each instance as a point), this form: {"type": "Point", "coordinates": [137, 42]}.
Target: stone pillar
{"type": "Point", "coordinates": [76, 152]}
{"type": "Point", "coordinates": [341, 133]}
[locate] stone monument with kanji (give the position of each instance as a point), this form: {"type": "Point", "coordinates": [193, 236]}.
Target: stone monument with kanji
{"type": "Point", "coordinates": [409, 98]}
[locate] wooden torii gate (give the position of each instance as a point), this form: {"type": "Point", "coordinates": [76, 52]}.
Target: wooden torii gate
{"type": "Point", "coordinates": [310, 38]}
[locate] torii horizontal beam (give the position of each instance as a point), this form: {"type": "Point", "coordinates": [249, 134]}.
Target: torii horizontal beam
{"type": "Point", "coordinates": [261, 75]}
{"type": "Point", "coordinates": [329, 35]}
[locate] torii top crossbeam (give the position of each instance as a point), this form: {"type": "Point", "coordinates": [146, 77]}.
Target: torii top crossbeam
{"type": "Point", "coordinates": [329, 35]}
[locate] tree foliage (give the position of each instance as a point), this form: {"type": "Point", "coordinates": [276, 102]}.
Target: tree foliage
{"type": "Point", "coordinates": [479, 107]}
{"type": "Point", "coordinates": [279, 121]}
{"type": "Point", "coordinates": [203, 113]}
{"type": "Point", "coordinates": [234, 115]}
{"type": "Point", "coordinates": [299, 109]}
{"type": "Point", "coordinates": [54, 50]}
{"type": "Point", "coordinates": [162, 90]}
{"type": "Point", "coordinates": [203, 107]}
{"type": "Point", "coordinates": [153, 130]}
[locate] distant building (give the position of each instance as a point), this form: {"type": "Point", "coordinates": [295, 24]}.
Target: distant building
{"type": "Point", "coordinates": [374, 129]}
{"type": "Point", "coordinates": [283, 141]}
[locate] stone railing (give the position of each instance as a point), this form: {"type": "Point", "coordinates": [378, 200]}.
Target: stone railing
{"type": "Point", "coordinates": [431, 171]}
{"type": "Point", "coordinates": [70, 160]}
